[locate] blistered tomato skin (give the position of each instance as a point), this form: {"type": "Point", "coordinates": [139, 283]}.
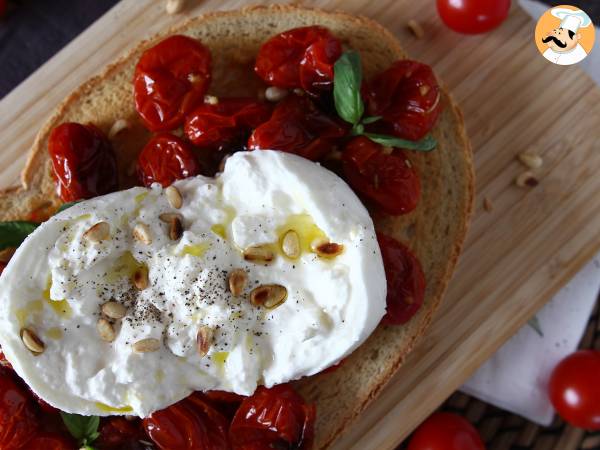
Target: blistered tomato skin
{"type": "Point", "coordinates": [189, 424]}
{"type": "Point", "coordinates": [165, 159]}
{"type": "Point", "coordinates": [405, 281]}
{"type": "Point", "coordinates": [274, 417]}
{"type": "Point", "coordinates": [298, 126]}
{"type": "Point", "coordinates": [389, 181]}
{"type": "Point", "coordinates": [18, 421]}
{"type": "Point", "coordinates": [300, 58]}
{"type": "Point", "coordinates": [170, 80]}
{"type": "Point", "coordinates": [229, 122]}
{"type": "Point", "coordinates": [50, 441]}
{"type": "Point", "coordinates": [118, 433]}
{"type": "Point", "coordinates": [407, 96]}
{"type": "Point", "coordinates": [83, 162]}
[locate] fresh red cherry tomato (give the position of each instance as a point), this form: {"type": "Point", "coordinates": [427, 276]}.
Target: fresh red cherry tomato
{"type": "Point", "coordinates": [575, 389]}
{"type": "Point", "coordinates": [276, 418]}
{"type": "Point", "coordinates": [446, 431]}
{"type": "Point", "coordinates": [226, 124]}
{"type": "Point", "coordinates": [165, 159]}
{"type": "Point", "coordinates": [298, 126]}
{"type": "Point", "coordinates": [170, 80]}
{"type": "Point", "coordinates": [405, 281]}
{"type": "Point", "coordinates": [83, 162]}
{"type": "Point", "coordinates": [50, 441]}
{"type": "Point", "coordinates": [18, 421]}
{"type": "Point", "coordinates": [118, 433]}
{"type": "Point", "coordinates": [473, 16]}
{"type": "Point", "coordinates": [407, 97]}
{"type": "Point", "coordinates": [300, 58]}
{"type": "Point", "coordinates": [191, 424]}
{"type": "Point", "coordinates": [387, 180]}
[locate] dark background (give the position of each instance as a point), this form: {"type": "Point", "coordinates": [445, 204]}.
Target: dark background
{"type": "Point", "coordinates": [32, 31]}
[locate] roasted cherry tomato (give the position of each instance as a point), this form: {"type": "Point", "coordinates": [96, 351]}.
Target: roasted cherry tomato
{"type": "Point", "coordinates": [170, 80]}
{"type": "Point", "coordinates": [50, 441]}
{"type": "Point", "coordinates": [83, 162]}
{"type": "Point", "coordinates": [18, 421]}
{"type": "Point", "coordinates": [276, 418]}
{"type": "Point", "coordinates": [386, 179]}
{"type": "Point", "coordinates": [407, 97]}
{"type": "Point", "coordinates": [226, 124]}
{"type": "Point", "coordinates": [226, 402]}
{"type": "Point", "coordinates": [300, 58]}
{"type": "Point", "coordinates": [405, 281]}
{"type": "Point", "coordinates": [575, 389]}
{"type": "Point", "coordinates": [191, 424]}
{"type": "Point", "coordinates": [473, 16]}
{"type": "Point", "coordinates": [118, 433]}
{"type": "Point", "coordinates": [165, 159]}
{"type": "Point", "coordinates": [446, 431]}
{"type": "Point", "coordinates": [298, 126]}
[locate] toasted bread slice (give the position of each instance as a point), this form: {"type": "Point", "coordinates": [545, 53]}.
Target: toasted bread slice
{"type": "Point", "coordinates": [435, 230]}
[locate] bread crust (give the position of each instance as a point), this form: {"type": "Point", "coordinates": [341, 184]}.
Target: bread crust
{"type": "Point", "coordinates": [436, 230]}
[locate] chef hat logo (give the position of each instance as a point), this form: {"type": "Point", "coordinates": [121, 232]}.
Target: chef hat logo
{"type": "Point", "coordinates": [565, 35]}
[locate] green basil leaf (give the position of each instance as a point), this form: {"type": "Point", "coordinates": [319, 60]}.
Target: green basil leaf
{"type": "Point", "coordinates": [534, 323]}
{"type": "Point", "coordinates": [66, 206]}
{"type": "Point", "coordinates": [12, 234]}
{"type": "Point", "coordinates": [82, 428]}
{"type": "Point", "coordinates": [92, 428]}
{"type": "Point", "coordinates": [426, 144]}
{"type": "Point", "coordinates": [357, 129]}
{"type": "Point", "coordinates": [347, 80]}
{"type": "Point", "coordinates": [76, 424]}
{"type": "Point", "coordinates": [370, 119]}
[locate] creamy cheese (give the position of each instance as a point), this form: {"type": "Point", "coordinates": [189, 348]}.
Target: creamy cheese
{"type": "Point", "coordinates": [58, 280]}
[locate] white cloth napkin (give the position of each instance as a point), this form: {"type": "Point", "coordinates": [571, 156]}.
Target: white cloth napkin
{"type": "Point", "coordinates": [516, 377]}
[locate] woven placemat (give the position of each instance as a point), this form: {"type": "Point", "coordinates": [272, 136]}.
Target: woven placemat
{"type": "Point", "coordinates": [501, 430]}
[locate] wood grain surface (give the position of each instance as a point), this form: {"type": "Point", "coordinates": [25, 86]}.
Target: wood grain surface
{"type": "Point", "coordinates": [517, 255]}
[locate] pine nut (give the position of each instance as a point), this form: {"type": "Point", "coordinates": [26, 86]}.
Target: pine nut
{"type": "Point", "coordinates": [31, 340]}
{"type": "Point", "coordinates": [531, 160]}
{"type": "Point", "coordinates": [98, 232]}
{"type": "Point", "coordinates": [259, 253]}
{"type": "Point", "coordinates": [114, 310]}
{"type": "Point", "coordinates": [141, 232]}
{"type": "Point", "coordinates": [237, 281]}
{"type": "Point", "coordinates": [416, 28]}
{"type": "Point", "coordinates": [290, 245]}
{"type": "Point", "coordinates": [211, 100]}
{"type": "Point", "coordinates": [168, 217]}
{"type": "Point", "coordinates": [326, 249]}
{"type": "Point", "coordinates": [174, 6]}
{"type": "Point", "coordinates": [268, 295]}
{"type": "Point", "coordinates": [146, 345]}
{"type": "Point", "coordinates": [140, 278]}
{"type": "Point", "coordinates": [175, 228]}
{"type": "Point", "coordinates": [174, 197]}
{"type": "Point", "coordinates": [204, 340]}
{"type": "Point", "coordinates": [105, 330]}
{"type": "Point", "coordinates": [526, 179]}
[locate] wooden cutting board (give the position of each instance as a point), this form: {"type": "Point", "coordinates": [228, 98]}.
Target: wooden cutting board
{"type": "Point", "coordinates": [517, 255]}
